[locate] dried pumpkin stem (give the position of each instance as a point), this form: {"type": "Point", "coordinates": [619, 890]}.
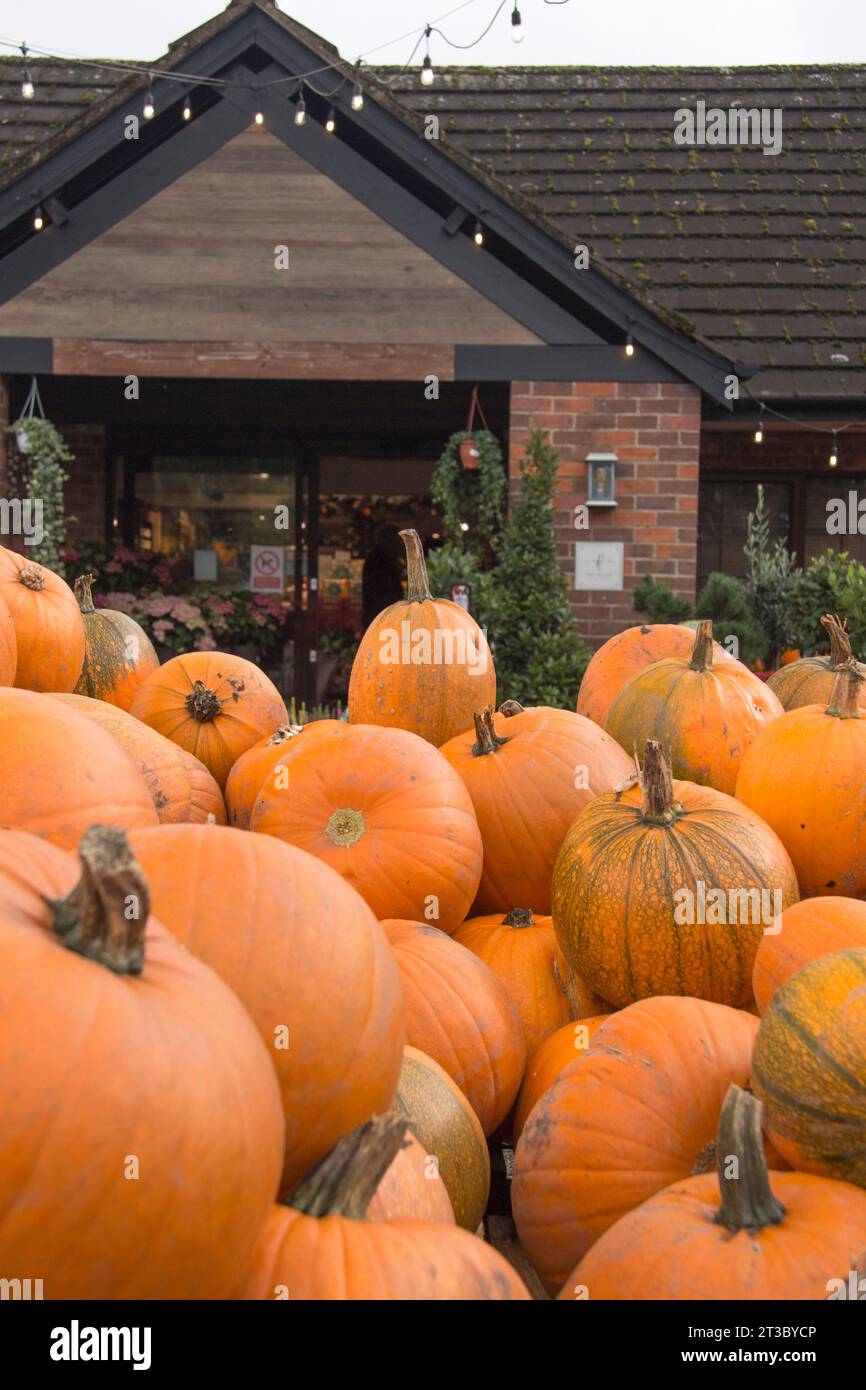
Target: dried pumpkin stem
{"type": "Point", "coordinates": [844, 702]}
{"type": "Point", "coordinates": [509, 708]}
{"type": "Point", "coordinates": [203, 703]}
{"type": "Point", "coordinates": [105, 915]}
{"type": "Point", "coordinates": [82, 589]}
{"type": "Point", "coordinates": [284, 733]}
{"type": "Point", "coordinates": [487, 740]}
{"type": "Point", "coordinates": [702, 652]}
{"type": "Point", "coordinates": [31, 577]}
{"type": "Point", "coordinates": [519, 917]}
{"type": "Point", "coordinates": [346, 1180]}
{"type": "Point", "coordinates": [418, 585]}
{"type": "Point", "coordinates": [840, 644]}
{"type": "Point", "coordinates": [658, 803]}
{"type": "Point", "coordinates": [748, 1203]}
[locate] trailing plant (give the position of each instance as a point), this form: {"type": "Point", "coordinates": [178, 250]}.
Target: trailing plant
{"type": "Point", "coordinates": [474, 498]}
{"type": "Point", "coordinates": [39, 475]}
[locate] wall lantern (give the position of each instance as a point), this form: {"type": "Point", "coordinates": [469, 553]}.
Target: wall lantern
{"type": "Point", "coordinates": [601, 480]}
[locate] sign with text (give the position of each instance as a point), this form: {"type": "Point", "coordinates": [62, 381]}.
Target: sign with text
{"type": "Point", "coordinates": [598, 564]}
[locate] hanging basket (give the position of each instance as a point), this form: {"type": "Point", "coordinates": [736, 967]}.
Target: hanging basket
{"type": "Point", "coordinates": [469, 452]}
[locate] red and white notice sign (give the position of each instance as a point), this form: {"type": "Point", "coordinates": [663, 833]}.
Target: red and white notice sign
{"type": "Point", "coordinates": [266, 569]}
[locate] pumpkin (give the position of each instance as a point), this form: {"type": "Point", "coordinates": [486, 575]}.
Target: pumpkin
{"type": "Point", "coordinates": [214, 705]}
{"type": "Point", "coordinates": [412, 1188]}
{"type": "Point", "coordinates": [423, 664]}
{"type": "Point", "coordinates": [322, 1247]}
{"type": "Point", "coordinates": [118, 654]}
{"type": "Point", "coordinates": [60, 773]}
{"type": "Point", "coordinates": [181, 787]}
{"type": "Point", "coordinates": [624, 655]}
{"type": "Point", "coordinates": [809, 681]}
{"type": "Point", "coordinates": [142, 1129]}
{"type": "Point", "coordinates": [252, 767]}
{"type": "Point", "coordinates": [718, 1237]}
{"type": "Point", "coordinates": [706, 716]}
{"type": "Point", "coordinates": [582, 1001]}
{"type": "Point", "coordinates": [287, 934]}
{"type": "Point", "coordinates": [636, 1112]}
{"type": "Point", "coordinates": [460, 1013]}
{"type": "Point", "coordinates": [386, 810]}
{"type": "Point", "coordinates": [520, 950]}
{"type": "Point", "coordinates": [806, 776]}
{"type": "Point", "coordinates": [806, 931]}
{"type": "Point", "coordinates": [8, 647]}
{"type": "Point", "coordinates": [810, 1067]}
{"type": "Point", "coordinates": [529, 772]}
{"type": "Point", "coordinates": [557, 1052]}
{"type": "Point", "coordinates": [448, 1129]}
{"type": "Point", "coordinates": [49, 629]}
{"type": "Point", "coordinates": [667, 889]}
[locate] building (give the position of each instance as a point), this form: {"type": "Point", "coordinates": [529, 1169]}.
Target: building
{"type": "Point", "coordinates": [226, 314]}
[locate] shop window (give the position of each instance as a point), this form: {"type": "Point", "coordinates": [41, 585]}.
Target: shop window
{"type": "Point", "coordinates": [843, 493]}
{"type": "Point", "coordinates": [723, 510]}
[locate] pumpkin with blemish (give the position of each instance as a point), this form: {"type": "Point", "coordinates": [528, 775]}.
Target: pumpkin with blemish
{"type": "Point", "coordinates": [667, 889]}
{"type": "Point", "coordinates": [809, 1067]}
{"type": "Point", "coordinates": [809, 681]}
{"type": "Point", "coordinates": [806, 931]}
{"type": "Point", "coordinates": [249, 772]}
{"type": "Point", "coordinates": [118, 654]}
{"type": "Point", "coordinates": [49, 629]}
{"type": "Point", "coordinates": [412, 1188]}
{"type": "Point", "coordinates": [8, 647]}
{"type": "Point", "coordinates": [557, 1052]}
{"type": "Point", "coordinates": [620, 658]}
{"type": "Point", "coordinates": [706, 714]}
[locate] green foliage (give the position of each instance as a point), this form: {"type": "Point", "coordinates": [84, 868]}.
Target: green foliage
{"type": "Point", "coordinates": [773, 583]}
{"type": "Point", "coordinates": [659, 602]}
{"type": "Point", "coordinates": [39, 475]}
{"type": "Point", "coordinates": [723, 599]}
{"type": "Point", "coordinates": [475, 497]}
{"type": "Point", "coordinates": [450, 565]}
{"type": "Point", "coordinates": [539, 655]}
{"type": "Point", "coordinates": [833, 583]}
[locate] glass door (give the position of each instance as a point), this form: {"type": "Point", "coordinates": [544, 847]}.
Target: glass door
{"type": "Point", "coordinates": [306, 584]}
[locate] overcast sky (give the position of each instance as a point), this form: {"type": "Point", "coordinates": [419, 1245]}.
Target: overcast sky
{"type": "Point", "coordinates": [658, 32]}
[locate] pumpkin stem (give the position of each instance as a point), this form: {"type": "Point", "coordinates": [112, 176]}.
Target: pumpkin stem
{"type": "Point", "coordinates": [284, 733]}
{"type": "Point", "coordinates": [345, 827]}
{"type": "Point", "coordinates": [487, 740]}
{"type": "Point", "coordinates": [105, 915]}
{"type": "Point", "coordinates": [518, 918]}
{"type": "Point", "coordinates": [509, 708]}
{"type": "Point", "coordinates": [840, 643]}
{"type": "Point", "coordinates": [31, 577]}
{"type": "Point", "coordinates": [748, 1203]}
{"type": "Point", "coordinates": [844, 702]}
{"type": "Point", "coordinates": [702, 651]}
{"type": "Point", "coordinates": [82, 589]}
{"type": "Point", "coordinates": [418, 585]}
{"type": "Point", "coordinates": [658, 803]}
{"type": "Point", "coordinates": [346, 1180]}
{"type": "Point", "coordinates": [202, 703]}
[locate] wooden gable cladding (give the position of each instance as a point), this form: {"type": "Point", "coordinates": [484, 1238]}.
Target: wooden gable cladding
{"type": "Point", "coordinates": [196, 264]}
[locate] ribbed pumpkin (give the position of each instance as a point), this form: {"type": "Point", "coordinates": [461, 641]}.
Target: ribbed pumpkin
{"type": "Point", "coordinates": [529, 772]}
{"type": "Point", "coordinates": [118, 654]}
{"type": "Point", "coordinates": [180, 786]}
{"type": "Point", "coordinates": [446, 1126]}
{"type": "Point", "coordinates": [557, 1052]}
{"type": "Point", "coordinates": [806, 776]}
{"type": "Point", "coordinates": [412, 1188]}
{"type": "Point", "coordinates": [705, 715]}
{"type": "Point", "coordinates": [624, 655]}
{"type": "Point", "coordinates": [807, 931]}
{"type": "Point", "coordinates": [722, 1237]}
{"type": "Point", "coordinates": [322, 1247]}
{"type": "Point", "coordinates": [49, 629]}
{"type": "Point", "coordinates": [583, 1002]}
{"type": "Point", "coordinates": [287, 935]}
{"type": "Point", "coordinates": [810, 1067]}
{"type": "Point", "coordinates": [142, 1134]}
{"type": "Point", "coordinates": [667, 889]}
{"type": "Point", "coordinates": [461, 1014]}
{"type": "Point", "coordinates": [520, 950]}
{"type": "Point", "coordinates": [636, 1112]}
{"type": "Point", "coordinates": [809, 681]}
{"type": "Point", "coordinates": [8, 647]}
{"type": "Point", "coordinates": [59, 773]}
{"type": "Point", "coordinates": [387, 811]}
{"type": "Point", "coordinates": [214, 705]}
{"type": "Point", "coordinates": [249, 772]}
{"type": "Point", "coordinates": [423, 663]}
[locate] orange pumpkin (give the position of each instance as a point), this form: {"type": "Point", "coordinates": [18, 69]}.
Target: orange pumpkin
{"type": "Point", "coordinates": [520, 950]}
{"type": "Point", "coordinates": [636, 1112]}
{"type": "Point", "coordinates": [807, 931]}
{"type": "Point", "coordinates": [723, 1237]}
{"type": "Point", "coordinates": [423, 663]}
{"type": "Point", "coordinates": [295, 936]}
{"type": "Point", "coordinates": [118, 654]}
{"type": "Point", "coordinates": [214, 705]}
{"type": "Point", "coordinates": [706, 716]}
{"type": "Point", "coordinates": [180, 786]}
{"type": "Point", "coordinates": [460, 1013]}
{"type": "Point", "coordinates": [806, 776]}
{"type": "Point", "coordinates": [141, 1116]}
{"type": "Point", "coordinates": [557, 1052]}
{"type": "Point", "coordinates": [49, 629]}
{"type": "Point", "coordinates": [623, 656]}
{"type": "Point", "coordinates": [60, 773]}
{"type": "Point", "coordinates": [412, 1189]}
{"type": "Point", "coordinates": [667, 889]}
{"type": "Point", "coordinates": [8, 647]}
{"type": "Point", "coordinates": [809, 681]}
{"type": "Point", "coordinates": [249, 772]}
{"type": "Point", "coordinates": [529, 772]}
{"type": "Point", "coordinates": [322, 1247]}
{"type": "Point", "coordinates": [386, 810]}
{"type": "Point", "coordinates": [583, 1002]}
{"type": "Point", "coordinates": [449, 1132]}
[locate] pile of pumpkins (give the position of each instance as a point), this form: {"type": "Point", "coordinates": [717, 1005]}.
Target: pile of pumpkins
{"type": "Point", "coordinates": [268, 993]}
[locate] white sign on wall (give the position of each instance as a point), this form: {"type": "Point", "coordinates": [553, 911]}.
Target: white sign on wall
{"type": "Point", "coordinates": [266, 569]}
{"type": "Point", "coordinates": [598, 564]}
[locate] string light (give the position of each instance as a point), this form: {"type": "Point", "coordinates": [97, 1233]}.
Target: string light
{"type": "Point", "coordinates": [27, 88]}
{"type": "Point", "coordinates": [38, 220]}
{"type": "Point", "coordinates": [357, 98]}
{"type": "Point", "coordinates": [259, 118]}
{"type": "Point", "coordinates": [516, 26]}
{"type": "Point", "coordinates": [148, 109]}
{"type": "Point", "coordinates": [428, 76]}
{"type": "Point", "coordinates": [331, 121]}
{"type": "Point", "coordinates": [834, 452]}
{"type": "Point", "coordinates": [187, 111]}
{"type": "Point", "coordinates": [478, 234]}
{"type": "Point", "coordinates": [759, 431]}
{"type": "Point", "coordinates": [629, 346]}
{"type": "Point", "coordinates": [301, 110]}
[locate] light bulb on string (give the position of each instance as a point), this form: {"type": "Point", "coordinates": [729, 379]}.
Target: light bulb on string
{"type": "Point", "coordinates": [148, 110]}
{"type": "Point", "coordinates": [516, 26]}
{"type": "Point", "coordinates": [629, 346]}
{"type": "Point", "coordinates": [428, 76]}
{"type": "Point", "coordinates": [834, 452]}
{"type": "Point", "coordinates": [38, 220]}
{"type": "Point", "coordinates": [187, 111]}
{"type": "Point", "coordinates": [759, 429]}
{"type": "Point", "coordinates": [331, 121]}
{"type": "Point", "coordinates": [27, 88]}
{"type": "Point", "coordinates": [259, 118]}
{"type": "Point", "coordinates": [357, 98]}
{"type": "Point", "coordinates": [301, 111]}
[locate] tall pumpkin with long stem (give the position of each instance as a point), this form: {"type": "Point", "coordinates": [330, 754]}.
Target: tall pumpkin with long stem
{"type": "Point", "coordinates": [423, 663]}
{"type": "Point", "coordinates": [118, 654]}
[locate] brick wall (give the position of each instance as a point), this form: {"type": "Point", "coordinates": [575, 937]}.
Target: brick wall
{"type": "Point", "coordinates": [84, 494]}
{"type": "Point", "coordinates": [654, 430]}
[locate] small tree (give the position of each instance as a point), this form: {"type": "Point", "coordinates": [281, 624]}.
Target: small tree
{"type": "Point", "coordinates": [773, 585]}
{"type": "Point", "coordinates": [540, 658]}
